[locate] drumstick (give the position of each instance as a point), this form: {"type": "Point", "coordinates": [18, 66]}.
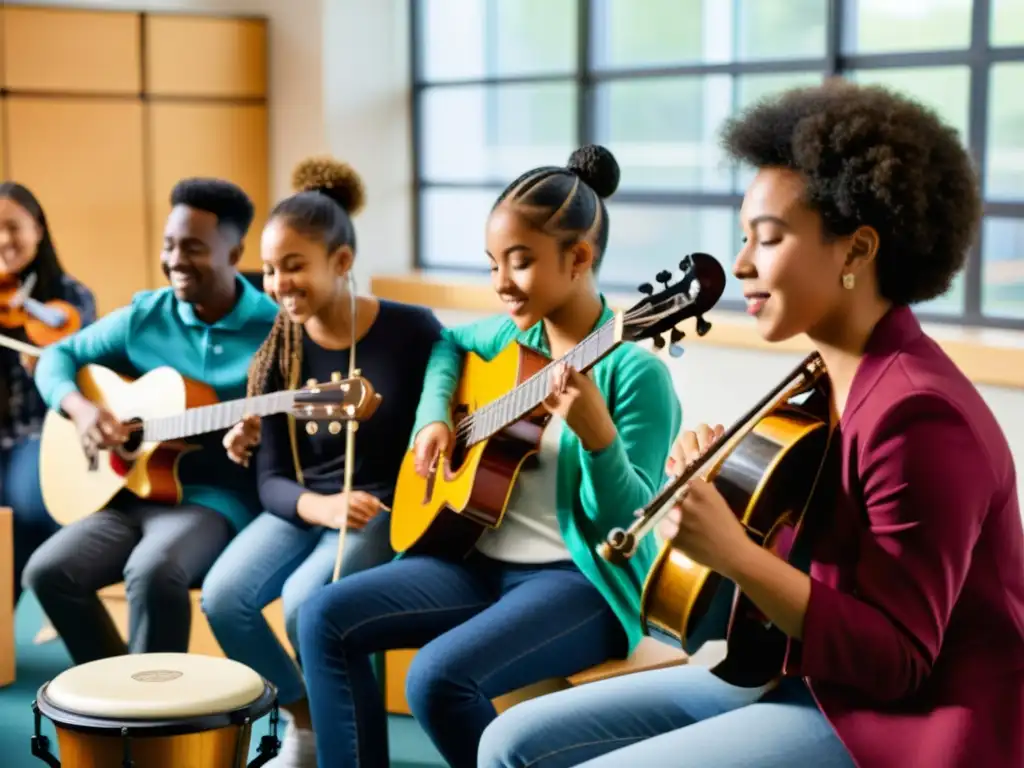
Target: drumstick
{"type": "Point", "coordinates": [20, 346]}
{"type": "Point", "coordinates": [350, 434]}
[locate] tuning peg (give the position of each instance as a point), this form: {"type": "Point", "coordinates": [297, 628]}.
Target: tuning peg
{"type": "Point", "coordinates": [645, 288]}
{"type": "Point", "coordinates": [334, 427]}
{"type": "Point", "coordinates": [703, 326]}
{"type": "Point", "coordinates": [659, 342]}
{"type": "Point", "coordinates": [663, 277]}
{"type": "Point", "coordinates": [675, 350]}
{"type": "Point", "coordinates": [686, 264]}
{"type": "Point", "coordinates": [356, 372]}
{"type": "Point", "coordinates": [310, 383]}
{"type": "Point", "coordinates": [336, 376]}
{"type": "Point", "coordinates": [312, 427]}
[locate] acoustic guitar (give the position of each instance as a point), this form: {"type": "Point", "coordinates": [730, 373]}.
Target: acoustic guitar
{"type": "Point", "coordinates": [162, 409]}
{"type": "Point", "coordinates": [775, 467]}
{"type": "Point", "coordinates": [499, 417]}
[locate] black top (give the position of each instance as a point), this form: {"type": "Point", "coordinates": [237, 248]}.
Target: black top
{"type": "Point", "coordinates": [393, 357]}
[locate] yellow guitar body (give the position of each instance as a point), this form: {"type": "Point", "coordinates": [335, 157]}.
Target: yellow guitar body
{"type": "Point", "coordinates": [447, 512]}
{"type": "Point", "coordinates": [71, 490]}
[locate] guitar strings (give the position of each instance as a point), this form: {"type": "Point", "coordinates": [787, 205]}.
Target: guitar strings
{"type": "Point", "coordinates": [466, 425]}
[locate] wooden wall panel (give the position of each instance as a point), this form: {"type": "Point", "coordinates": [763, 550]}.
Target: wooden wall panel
{"type": "Point", "coordinates": [205, 57]}
{"type": "Point", "coordinates": [84, 159]}
{"type": "Point", "coordinates": [72, 51]}
{"type": "Point", "coordinates": [3, 139]}
{"type": "Point", "coordinates": [220, 140]}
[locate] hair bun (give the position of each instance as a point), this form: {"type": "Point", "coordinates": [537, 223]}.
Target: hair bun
{"type": "Point", "coordinates": [597, 167]}
{"type": "Point", "coordinates": [339, 181]}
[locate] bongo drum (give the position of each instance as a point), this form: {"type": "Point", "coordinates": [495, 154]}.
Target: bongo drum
{"type": "Point", "coordinates": [155, 710]}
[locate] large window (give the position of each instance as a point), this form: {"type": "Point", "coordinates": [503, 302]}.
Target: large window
{"type": "Point", "coordinates": [501, 86]}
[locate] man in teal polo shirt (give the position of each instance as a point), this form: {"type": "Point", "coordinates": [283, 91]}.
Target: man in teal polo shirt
{"type": "Point", "coordinates": [207, 325]}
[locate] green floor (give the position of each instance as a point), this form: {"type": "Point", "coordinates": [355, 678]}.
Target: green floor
{"type": "Point", "coordinates": [410, 748]}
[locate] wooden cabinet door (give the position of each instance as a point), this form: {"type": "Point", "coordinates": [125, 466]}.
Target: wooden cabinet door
{"type": "Point", "coordinates": [205, 57]}
{"type": "Point", "coordinates": [220, 140]}
{"type": "Point", "coordinates": [60, 50]}
{"type": "Point", "coordinates": [83, 159]}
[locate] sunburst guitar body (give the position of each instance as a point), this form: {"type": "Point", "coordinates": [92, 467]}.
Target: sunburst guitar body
{"type": "Point", "coordinates": [163, 408]}
{"type": "Point", "coordinates": [498, 416]}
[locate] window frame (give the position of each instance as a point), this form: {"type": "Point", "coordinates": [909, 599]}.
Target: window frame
{"type": "Point", "coordinates": [978, 57]}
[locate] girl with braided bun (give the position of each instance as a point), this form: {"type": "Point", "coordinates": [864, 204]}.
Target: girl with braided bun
{"type": "Point", "coordinates": [533, 600]}
{"type": "Point", "coordinates": [308, 247]}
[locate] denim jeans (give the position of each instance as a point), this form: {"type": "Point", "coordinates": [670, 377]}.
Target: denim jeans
{"type": "Point", "coordinates": [483, 628]}
{"type": "Point", "coordinates": [160, 551]}
{"type": "Point", "coordinates": [273, 558]}
{"type": "Point", "coordinates": [20, 490]}
{"type": "Point", "coordinates": [683, 717]}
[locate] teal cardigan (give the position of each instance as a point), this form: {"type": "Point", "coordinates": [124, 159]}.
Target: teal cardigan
{"type": "Point", "coordinates": [597, 491]}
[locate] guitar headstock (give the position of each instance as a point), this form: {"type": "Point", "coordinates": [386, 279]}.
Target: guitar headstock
{"type": "Point", "coordinates": [335, 401]}
{"type": "Point", "coordinates": [659, 316]}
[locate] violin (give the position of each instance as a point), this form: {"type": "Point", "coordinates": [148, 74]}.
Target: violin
{"type": "Point", "coordinates": [44, 322]}
{"type": "Point", "coordinates": [776, 467]}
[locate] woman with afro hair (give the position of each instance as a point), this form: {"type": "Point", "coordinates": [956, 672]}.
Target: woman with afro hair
{"type": "Point", "coordinates": [906, 640]}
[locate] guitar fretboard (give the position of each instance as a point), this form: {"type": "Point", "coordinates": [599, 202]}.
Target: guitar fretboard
{"type": "Point", "coordinates": [513, 405]}
{"type": "Point", "coordinates": [210, 418]}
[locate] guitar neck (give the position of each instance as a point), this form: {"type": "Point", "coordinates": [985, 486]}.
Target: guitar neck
{"type": "Point", "coordinates": [211, 418]}
{"type": "Point", "coordinates": [514, 405]}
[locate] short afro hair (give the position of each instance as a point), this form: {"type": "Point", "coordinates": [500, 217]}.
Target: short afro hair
{"type": "Point", "coordinates": [871, 157]}
{"type": "Point", "coordinates": [225, 200]}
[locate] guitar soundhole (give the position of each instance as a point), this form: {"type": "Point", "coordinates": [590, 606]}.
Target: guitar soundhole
{"type": "Point", "coordinates": [134, 441]}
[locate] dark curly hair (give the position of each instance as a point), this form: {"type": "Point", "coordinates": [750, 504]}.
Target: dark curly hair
{"type": "Point", "coordinates": [871, 157]}
{"type": "Point", "coordinates": [227, 201]}
{"type": "Point", "coordinates": [568, 202]}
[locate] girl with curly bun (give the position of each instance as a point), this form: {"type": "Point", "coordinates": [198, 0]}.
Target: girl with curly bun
{"type": "Point", "coordinates": [308, 247]}
{"type": "Point", "coordinates": [905, 641]}
{"type": "Point", "coordinates": [532, 600]}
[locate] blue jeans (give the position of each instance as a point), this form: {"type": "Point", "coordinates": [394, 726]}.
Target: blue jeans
{"type": "Point", "coordinates": [20, 490]}
{"type": "Point", "coordinates": [680, 717]}
{"type": "Point", "coordinates": [484, 628]}
{"type": "Point", "coordinates": [272, 558]}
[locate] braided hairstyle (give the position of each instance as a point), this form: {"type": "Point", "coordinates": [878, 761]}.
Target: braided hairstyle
{"type": "Point", "coordinates": [328, 194]}
{"type": "Point", "coordinates": [568, 202]}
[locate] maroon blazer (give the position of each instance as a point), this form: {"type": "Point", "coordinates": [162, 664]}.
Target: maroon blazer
{"type": "Point", "coordinates": [913, 642]}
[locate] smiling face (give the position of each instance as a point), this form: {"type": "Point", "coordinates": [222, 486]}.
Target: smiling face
{"type": "Point", "coordinates": [298, 272]}
{"type": "Point", "coordinates": [791, 273]}
{"type": "Point", "coordinates": [20, 235]}
{"type": "Point", "coordinates": [198, 256]}
{"type": "Point", "coordinates": [531, 271]}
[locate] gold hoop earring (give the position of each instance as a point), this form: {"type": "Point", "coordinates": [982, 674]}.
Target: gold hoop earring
{"type": "Point", "coordinates": [848, 281]}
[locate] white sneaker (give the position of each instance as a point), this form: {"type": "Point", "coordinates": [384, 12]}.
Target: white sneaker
{"type": "Point", "coordinates": [298, 750]}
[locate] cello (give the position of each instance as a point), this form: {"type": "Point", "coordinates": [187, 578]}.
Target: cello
{"type": "Point", "coordinates": [775, 467]}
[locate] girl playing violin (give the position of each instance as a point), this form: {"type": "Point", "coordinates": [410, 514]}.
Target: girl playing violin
{"type": "Point", "coordinates": [27, 258]}
{"type": "Point", "coordinates": [906, 639]}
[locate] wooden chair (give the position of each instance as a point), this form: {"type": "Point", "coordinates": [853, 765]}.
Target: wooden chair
{"type": "Point", "coordinates": [7, 649]}
{"type": "Point", "coordinates": [650, 654]}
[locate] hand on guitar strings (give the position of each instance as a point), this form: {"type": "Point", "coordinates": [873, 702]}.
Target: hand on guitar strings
{"type": "Point", "coordinates": [98, 428]}
{"type": "Point", "coordinates": [241, 439]}
{"type": "Point", "coordinates": [701, 524]}
{"type": "Point", "coordinates": [580, 404]}
{"type": "Point", "coordinates": [329, 510]}
{"type": "Point", "coordinates": [428, 445]}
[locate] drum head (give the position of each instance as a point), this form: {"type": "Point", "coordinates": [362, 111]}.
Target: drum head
{"type": "Point", "coordinates": [156, 687]}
